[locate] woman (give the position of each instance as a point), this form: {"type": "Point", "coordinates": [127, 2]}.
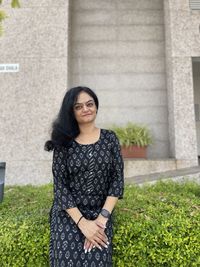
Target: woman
{"type": "Point", "coordinates": [88, 180]}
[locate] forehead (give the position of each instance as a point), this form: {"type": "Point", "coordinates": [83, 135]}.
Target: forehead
{"type": "Point", "coordinates": [83, 97]}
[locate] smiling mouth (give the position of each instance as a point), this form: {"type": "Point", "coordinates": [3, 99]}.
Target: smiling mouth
{"type": "Point", "coordinates": [87, 115]}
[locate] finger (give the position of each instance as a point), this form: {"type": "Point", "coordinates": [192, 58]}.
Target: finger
{"type": "Point", "coordinates": [101, 230]}
{"type": "Point", "coordinates": [85, 242]}
{"type": "Point", "coordinates": [101, 242]}
{"type": "Point", "coordinates": [103, 236]}
{"type": "Point", "coordinates": [100, 225]}
{"type": "Point", "coordinates": [90, 247]}
{"type": "Point", "coordinates": [86, 245]}
{"type": "Point", "coordinates": [96, 244]}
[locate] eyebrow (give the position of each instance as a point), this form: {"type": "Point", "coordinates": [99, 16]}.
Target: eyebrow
{"type": "Point", "coordinates": [83, 103]}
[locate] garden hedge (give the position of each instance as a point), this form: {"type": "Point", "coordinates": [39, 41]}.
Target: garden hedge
{"type": "Point", "coordinates": [155, 225]}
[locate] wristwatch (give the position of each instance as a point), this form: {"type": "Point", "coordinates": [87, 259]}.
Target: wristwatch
{"type": "Point", "coordinates": [105, 213]}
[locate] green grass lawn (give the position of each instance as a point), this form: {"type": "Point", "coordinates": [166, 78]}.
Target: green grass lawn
{"type": "Point", "coordinates": [157, 225]}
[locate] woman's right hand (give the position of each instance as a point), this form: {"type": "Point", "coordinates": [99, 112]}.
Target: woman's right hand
{"type": "Point", "coordinates": [93, 232]}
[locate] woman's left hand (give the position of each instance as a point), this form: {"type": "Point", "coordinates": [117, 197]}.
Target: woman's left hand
{"type": "Point", "coordinates": [101, 222]}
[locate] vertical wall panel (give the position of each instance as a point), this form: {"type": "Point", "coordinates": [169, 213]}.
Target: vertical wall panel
{"type": "Point", "coordinates": [117, 48]}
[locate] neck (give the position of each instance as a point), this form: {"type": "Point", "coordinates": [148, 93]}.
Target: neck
{"type": "Point", "coordinates": [87, 128]}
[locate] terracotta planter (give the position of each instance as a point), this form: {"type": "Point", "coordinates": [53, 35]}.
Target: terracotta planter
{"type": "Point", "coordinates": [134, 152]}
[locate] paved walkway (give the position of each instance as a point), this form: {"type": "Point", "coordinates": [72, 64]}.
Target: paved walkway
{"type": "Point", "coordinates": [192, 173]}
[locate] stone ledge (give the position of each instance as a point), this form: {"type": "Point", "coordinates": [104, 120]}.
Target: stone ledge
{"type": "Point", "coordinates": [192, 174]}
{"type": "Point", "coordinates": [135, 167]}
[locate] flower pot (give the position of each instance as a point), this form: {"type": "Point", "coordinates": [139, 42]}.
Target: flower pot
{"type": "Point", "coordinates": [134, 151]}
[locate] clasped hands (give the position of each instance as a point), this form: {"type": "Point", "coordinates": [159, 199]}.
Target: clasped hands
{"type": "Point", "coordinates": [94, 232]}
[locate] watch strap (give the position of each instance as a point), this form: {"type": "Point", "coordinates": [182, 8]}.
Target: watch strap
{"type": "Point", "coordinates": [105, 213]}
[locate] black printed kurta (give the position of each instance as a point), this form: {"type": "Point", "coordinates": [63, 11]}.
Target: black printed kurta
{"type": "Point", "coordinates": [84, 175]}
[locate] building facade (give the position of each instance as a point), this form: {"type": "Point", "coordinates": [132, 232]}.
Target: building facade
{"type": "Point", "coordinates": [142, 58]}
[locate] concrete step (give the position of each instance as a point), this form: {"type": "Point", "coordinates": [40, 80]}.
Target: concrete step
{"type": "Point", "coordinates": [138, 167]}
{"type": "Point", "coordinates": [192, 173]}
{"type": "Point", "coordinates": [118, 4]}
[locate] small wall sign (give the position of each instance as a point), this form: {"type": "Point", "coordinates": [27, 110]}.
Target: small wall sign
{"type": "Point", "coordinates": [9, 67]}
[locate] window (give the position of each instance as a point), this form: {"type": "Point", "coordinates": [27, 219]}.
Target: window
{"type": "Point", "coordinates": [195, 4]}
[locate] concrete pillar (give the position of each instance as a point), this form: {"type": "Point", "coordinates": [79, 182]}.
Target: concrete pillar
{"type": "Point", "coordinates": [182, 132]}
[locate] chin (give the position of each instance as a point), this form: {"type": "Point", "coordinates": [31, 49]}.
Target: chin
{"type": "Point", "coordinates": [86, 120]}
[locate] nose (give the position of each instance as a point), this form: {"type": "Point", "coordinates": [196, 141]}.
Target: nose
{"type": "Point", "coordinates": [85, 108]}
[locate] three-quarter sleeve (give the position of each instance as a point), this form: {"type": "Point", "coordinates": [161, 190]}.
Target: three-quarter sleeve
{"type": "Point", "coordinates": [116, 185]}
{"type": "Point", "coordinates": [62, 195]}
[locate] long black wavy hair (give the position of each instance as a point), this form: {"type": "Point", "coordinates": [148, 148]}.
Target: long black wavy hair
{"type": "Point", "coordinates": [65, 127]}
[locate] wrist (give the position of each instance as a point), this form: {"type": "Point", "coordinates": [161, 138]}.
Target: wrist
{"type": "Point", "coordinates": [81, 217]}
{"type": "Point", "coordinates": [102, 219]}
{"type": "Point", "coordinates": [81, 222]}
{"type": "Point", "coordinates": [105, 213]}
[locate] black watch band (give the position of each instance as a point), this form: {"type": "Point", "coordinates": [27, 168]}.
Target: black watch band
{"type": "Point", "coordinates": [105, 213]}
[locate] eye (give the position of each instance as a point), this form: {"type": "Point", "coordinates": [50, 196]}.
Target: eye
{"type": "Point", "coordinates": [77, 107]}
{"type": "Point", "coordinates": [90, 104]}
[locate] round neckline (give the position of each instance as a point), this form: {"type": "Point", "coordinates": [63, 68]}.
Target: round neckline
{"type": "Point", "coordinates": [90, 143]}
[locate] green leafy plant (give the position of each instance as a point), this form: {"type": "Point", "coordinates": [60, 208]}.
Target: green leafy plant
{"type": "Point", "coordinates": [24, 226]}
{"type": "Point", "coordinates": [157, 225]}
{"type": "Point", "coordinates": [14, 3]}
{"type": "Point", "coordinates": [3, 16]}
{"type": "Point", "coordinates": [133, 134]}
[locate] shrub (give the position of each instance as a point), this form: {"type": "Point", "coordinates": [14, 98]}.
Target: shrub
{"type": "Point", "coordinates": [24, 227]}
{"type": "Point", "coordinates": [155, 225]}
{"type": "Point", "coordinates": [158, 226]}
{"type": "Point", "coordinates": [133, 134]}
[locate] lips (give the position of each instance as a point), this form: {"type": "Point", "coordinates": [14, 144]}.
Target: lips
{"type": "Point", "coordinates": [87, 114]}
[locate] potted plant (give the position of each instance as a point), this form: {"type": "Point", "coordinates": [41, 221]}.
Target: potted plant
{"type": "Point", "coordinates": [134, 139]}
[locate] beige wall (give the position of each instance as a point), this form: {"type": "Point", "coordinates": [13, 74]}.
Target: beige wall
{"type": "Point", "coordinates": [117, 48]}
{"type": "Point", "coordinates": [36, 37]}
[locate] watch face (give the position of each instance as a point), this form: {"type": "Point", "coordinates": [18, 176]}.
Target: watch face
{"type": "Point", "coordinates": [105, 213]}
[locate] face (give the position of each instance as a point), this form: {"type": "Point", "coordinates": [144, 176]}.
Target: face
{"type": "Point", "coordinates": [85, 109]}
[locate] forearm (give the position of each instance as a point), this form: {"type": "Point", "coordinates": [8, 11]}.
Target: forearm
{"type": "Point", "coordinates": [110, 203]}
{"type": "Point", "coordinates": [109, 206]}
